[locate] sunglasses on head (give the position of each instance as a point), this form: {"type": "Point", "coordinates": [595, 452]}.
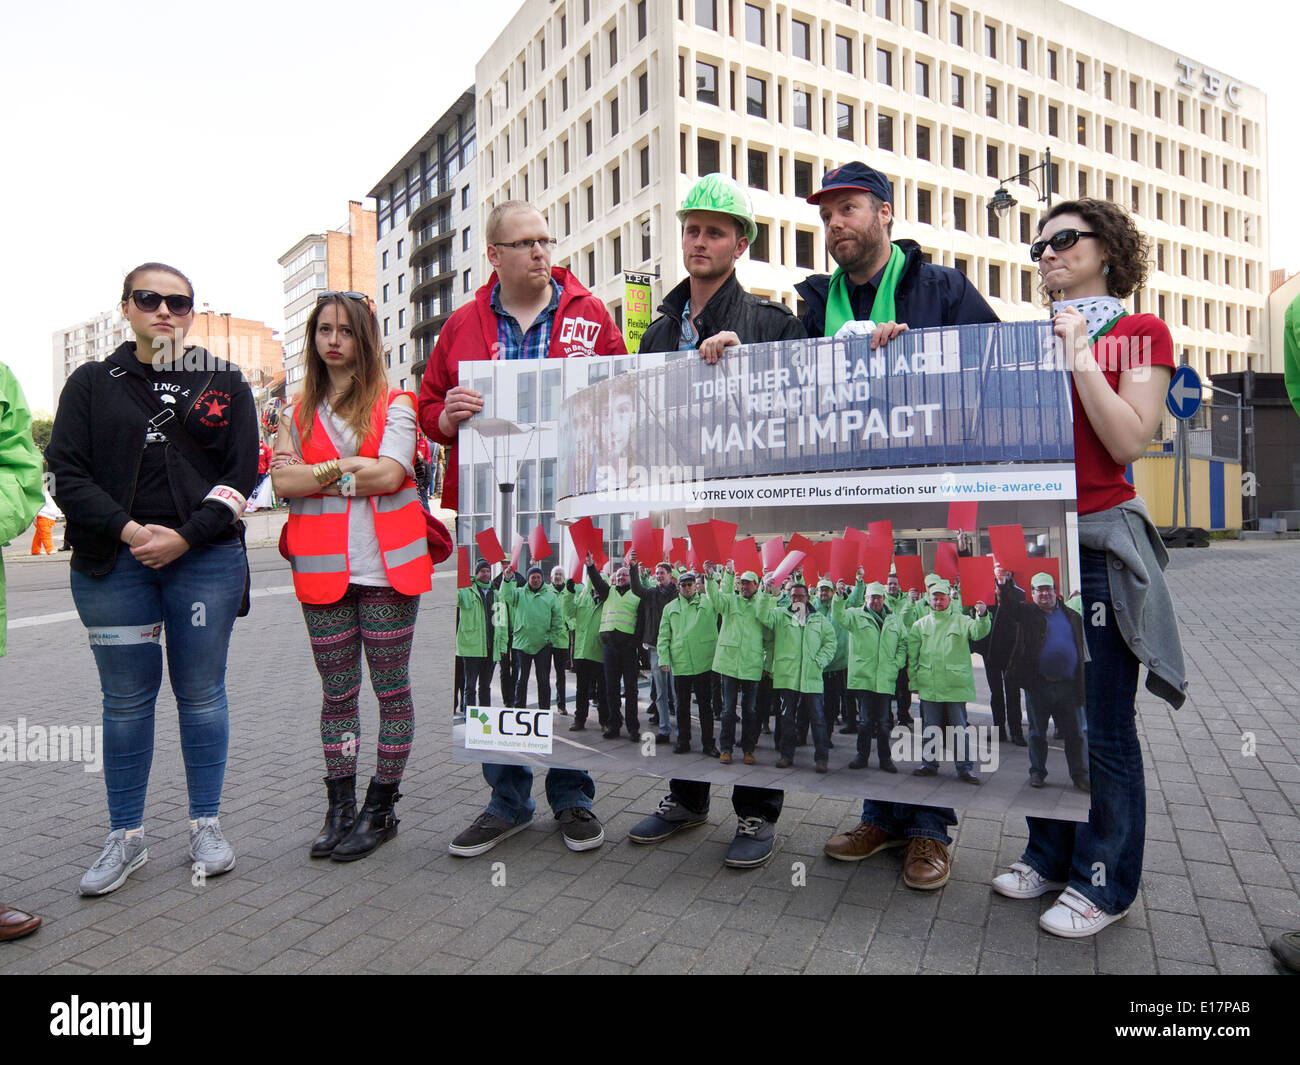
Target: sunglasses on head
{"type": "Point", "coordinates": [1066, 238]}
{"type": "Point", "coordinates": [148, 300]}
{"type": "Point", "coordinates": [361, 296]}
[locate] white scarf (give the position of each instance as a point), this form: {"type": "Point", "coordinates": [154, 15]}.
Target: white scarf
{"type": "Point", "coordinates": [1097, 311]}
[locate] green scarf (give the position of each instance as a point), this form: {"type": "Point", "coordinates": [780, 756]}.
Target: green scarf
{"type": "Point", "coordinates": [839, 309]}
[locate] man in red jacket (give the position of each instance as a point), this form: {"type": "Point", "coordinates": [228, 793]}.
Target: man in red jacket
{"type": "Point", "coordinates": [527, 310]}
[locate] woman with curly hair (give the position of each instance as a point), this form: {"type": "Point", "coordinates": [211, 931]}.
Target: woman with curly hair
{"type": "Point", "coordinates": [1091, 257]}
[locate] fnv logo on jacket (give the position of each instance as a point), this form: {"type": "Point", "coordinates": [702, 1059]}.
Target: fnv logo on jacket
{"type": "Point", "coordinates": [578, 336]}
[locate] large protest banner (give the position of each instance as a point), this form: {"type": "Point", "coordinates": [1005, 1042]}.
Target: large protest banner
{"type": "Point", "coordinates": [811, 441]}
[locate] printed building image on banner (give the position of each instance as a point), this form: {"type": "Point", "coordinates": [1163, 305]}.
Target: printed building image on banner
{"type": "Point", "coordinates": [821, 462]}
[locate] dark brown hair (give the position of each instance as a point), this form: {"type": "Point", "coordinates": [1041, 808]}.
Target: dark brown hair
{"type": "Point", "coordinates": [1124, 249]}
{"type": "Point", "coordinates": [368, 384]}
{"type": "Point", "coordinates": [128, 284]}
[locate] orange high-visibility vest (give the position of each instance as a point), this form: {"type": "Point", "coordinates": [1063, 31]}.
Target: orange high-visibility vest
{"type": "Point", "coordinates": [318, 524]}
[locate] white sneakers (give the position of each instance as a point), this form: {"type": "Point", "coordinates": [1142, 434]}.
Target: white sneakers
{"type": "Point", "coordinates": [1073, 916]}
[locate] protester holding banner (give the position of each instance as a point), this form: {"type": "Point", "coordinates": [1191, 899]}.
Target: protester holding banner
{"type": "Point", "coordinates": [892, 286]}
{"type": "Point", "coordinates": [803, 646]}
{"type": "Point", "coordinates": [1090, 257]}
{"type": "Point", "coordinates": [537, 627]}
{"type": "Point", "coordinates": [356, 538]}
{"type": "Point", "coordinates": [938, 661]}
{"type": "Point", "coordinates": [877, 651]}
{"type": "Point", "coordinates": [479, 641]}
{"type": "Point", "coordinates": [153, 493]}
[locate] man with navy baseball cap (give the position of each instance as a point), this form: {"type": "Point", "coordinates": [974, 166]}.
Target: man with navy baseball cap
{"type": "Point", "coordinates": [885, 282]}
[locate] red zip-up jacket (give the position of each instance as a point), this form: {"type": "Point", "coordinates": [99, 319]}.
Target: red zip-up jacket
{"type": "Point", "coordinates": [582, 326]}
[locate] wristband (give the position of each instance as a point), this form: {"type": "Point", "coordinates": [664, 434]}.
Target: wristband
{"type": "Point", "coordinates": [347, 484]}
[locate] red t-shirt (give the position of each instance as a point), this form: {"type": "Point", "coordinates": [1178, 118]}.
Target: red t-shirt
{"type": "Point", "coordinates": [1135, 340]}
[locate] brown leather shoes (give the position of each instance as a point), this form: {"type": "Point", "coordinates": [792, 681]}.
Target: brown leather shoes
{"type": "Point", "coordinates": [861, 842]}
{"type": "Point", "coordinates": [724, 758]}
{"type": "Point", "coordinates": [925, 865]}
{"type": "Point", "coordinates": [750, 760]}
{"type": "Point", "coordinates": [16, 923]}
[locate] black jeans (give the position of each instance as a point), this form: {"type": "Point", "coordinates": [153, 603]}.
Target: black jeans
{"type": "Point", "coordinates": [508, 679]}
{"type": "Point", "coordinates": [833, 700]}
{"type": "Point", "coordinates": [560, 660]}
{"type": "Point", "coordinates": [1004, 700]}
{"type": "Point", "coordinates": [798, 703]}
{"type": "Point", "coordinates": [523, 663]}
{"type": "Point", "coordinates": [904, 696]}
{"type": "Point", "coordinates": [621, 669]}
{"type": "Point", "coordinates": [746, 801]}
{"type": "Point", "coordinates": [873, 724]}
{"type": "Point", "coordinates": [764, 704]}
{"type": "Point", "coordinates": [702, 685]}
{"type": "Point", "coordinates": [477, 681]}
{"type": "Point", "coordinates": [591, 688]}
{"type": "Point", "coordinates": [746, 691]}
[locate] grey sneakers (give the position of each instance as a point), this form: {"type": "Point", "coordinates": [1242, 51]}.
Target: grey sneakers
{"type": "Point", "coordinates": [210, 854]}
{"type": "Point", "coordinates": [753, 845]}
{"type": "Point", "coordinates": [669, 818]}
{"type": "Point", "coordinates": [119, 859]}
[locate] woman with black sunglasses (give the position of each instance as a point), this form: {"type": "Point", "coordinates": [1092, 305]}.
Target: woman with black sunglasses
{"type": "Point", "coordinates": [153, 453]}
{"type": "Point", "coordinates": [1091, 257]}
{"type": "Point", "coordinates": [357, 541]}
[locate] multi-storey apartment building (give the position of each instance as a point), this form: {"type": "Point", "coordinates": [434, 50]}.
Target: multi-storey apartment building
{"type": "Point", "coordinates": [426, 252]}
{"type": "Point", "coordinates": [340, 260]}
{"type": "Point", "coordinates": [602, 113]}
{"type": "Point", "coordinates": [88, 341]}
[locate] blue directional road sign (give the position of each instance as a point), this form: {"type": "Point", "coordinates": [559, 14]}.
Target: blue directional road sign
{"type": "Point", "coordinates": [1184, 397]}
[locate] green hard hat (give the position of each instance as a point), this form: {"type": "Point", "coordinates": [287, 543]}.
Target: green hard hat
{"type": "Point", "coordinates": [717, 192]}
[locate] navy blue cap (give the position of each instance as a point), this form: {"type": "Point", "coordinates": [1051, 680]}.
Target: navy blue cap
{"type": "Point", "coordinates": [535, 569]}
{"type": "Point", "coordinates": [856, 176]}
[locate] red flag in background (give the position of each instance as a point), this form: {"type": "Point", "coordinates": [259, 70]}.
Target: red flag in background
{"type": "Point", "coordinates": [538, 546]}
{"type": "Point", "coordinates": [945, 561]}
{"type": "Point", "coordinates": [911, 574]}
{"type": "Point", "coordinates": [514, 555]}
{"type": "Point", "coordinates": [881, 532]}
{"type": "Point", "coordinates": [875, 563]}
{"type": "Point", "coordinates": [844, 561]}
{"type": "Point", "coordinates": [678, 555]}
{"type": "Point", "coordinates": [702, 544]}
{"type": "Point", "coordinates": [977, 580]}
{"type": "Point", "coordinates": [724, 535]}
{"type": "Point", "coordinates": [577, 570]}
{"type": "Point", "coordinates": [773, 553]}
{"type": "Point", "coordinates": [788, 566]}
{"type": "Point", "coordinates": [648, 542]}
{"type": "Point", "coordinates": [799, 542]}
{"type": "Point", "coordinates": [463, 576]}
{"type": "Point", "coordinates": [489, 546]}
{"type": "Point", "coordinates": [963, 515]}
{"type": "Point", "coordinates": [744, 553]}
{"type": "Point", "coordinates": [1008, 545]}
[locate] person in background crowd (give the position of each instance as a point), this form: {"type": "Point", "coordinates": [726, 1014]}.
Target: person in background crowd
{"type": "Point", "coordinates": [151, 537]}
{"type": "Point", "coordinates": [890, 285]}
{"type": "Point", "coordinates": [649, 615]}
{"type": "Point", "coordinates": [688, 636]}
{"type": "Point", "coordinates": [43, 536]}
{"type": "Point", "coordinates": [344, 455]}
{"type": "Point", "coordinates": [618, 610]}
{"type": "Point", "coordinates": [583, 613]}
{"type": "Point", "coordinates": [837, 673]}
{"type": "Point", "coordinates": [562, 649]}
{"type": "Point", "coordinates": [877, 643]}
{"type": "Point", "coordinates": [479, 640]}
{"type": "Point", "coordinates": [898, 602]}
{"type": "Point", "coordinates": [20, 500]}
{"type": "Point", "coordinates": [803, 646]}
{"type": "Point", "coordinates": [537, 626]}
{"type": "Point", "coordinates": [1004, 697]}
{"type": "Point", "coordinates": [1090, 257]}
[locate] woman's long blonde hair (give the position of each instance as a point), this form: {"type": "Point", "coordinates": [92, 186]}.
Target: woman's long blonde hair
{"type": "Point", "coordinates": [368, 384]}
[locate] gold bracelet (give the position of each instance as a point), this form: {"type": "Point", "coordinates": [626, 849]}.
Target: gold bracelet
{"type": "Point", "coordinates": [326, 473]}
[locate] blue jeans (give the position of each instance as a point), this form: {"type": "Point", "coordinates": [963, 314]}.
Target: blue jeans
{"type": "Point", "coordinates": [902, 821]}
{"type": "Point", "coordinates": [744, 691]}
{"type": "Point", "coordinates": [1061, 702]}
{"type": "Point", "coordinates": [512, 791]}
{"type": "Point", "coordinates": [1102, 857]}
{"type": "Point", "coordinates": [662, 682]}
{"type": "Point", "coordinates": [810, 703]}
{"type": "Point", "coordinates": [939, 715]}
{"type": "Point", "coordinates": [194, 600]}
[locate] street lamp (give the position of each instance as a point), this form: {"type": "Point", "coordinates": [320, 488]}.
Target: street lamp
{"type": "Point", "coordinates": [495, 429]}
{"type": "Point", "coordinates": [1002, 201]}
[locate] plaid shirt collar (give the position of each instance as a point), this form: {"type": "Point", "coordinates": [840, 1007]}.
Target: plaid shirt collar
{"type": "Point", "coordinates": [513, 342]}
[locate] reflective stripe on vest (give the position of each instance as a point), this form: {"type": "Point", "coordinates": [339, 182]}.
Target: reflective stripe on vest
{"type": "Point", "coordinates": [620, 611]}
{"type": "Point", "coordinates": [317, 505]}
{"type": "Point", "coordinates": [318, 563]}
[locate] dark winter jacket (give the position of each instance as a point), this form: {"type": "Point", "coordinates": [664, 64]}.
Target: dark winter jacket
{"type": "Point", "coordinates": [1029, 624]}
{"type": "Point", "coordinates": [754, 320]}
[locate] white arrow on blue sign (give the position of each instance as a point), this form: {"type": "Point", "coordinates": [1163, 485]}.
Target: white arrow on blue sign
{"type": "Point", "coordinates": [1184, 397]}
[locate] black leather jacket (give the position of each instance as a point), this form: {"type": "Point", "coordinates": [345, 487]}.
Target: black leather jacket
{"type": "Point", "coordinates": [754, 320]}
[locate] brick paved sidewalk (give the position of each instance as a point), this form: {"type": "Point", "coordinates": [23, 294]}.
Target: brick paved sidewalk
{"type": "Point", "coordinates": [1221, 874]}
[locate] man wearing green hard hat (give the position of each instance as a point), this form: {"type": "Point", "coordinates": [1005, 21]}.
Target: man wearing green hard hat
{"type": "Point", "coordinates": [709, 310]}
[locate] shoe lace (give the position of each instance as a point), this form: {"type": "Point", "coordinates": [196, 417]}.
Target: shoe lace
{"type": "Point", "coordinates": [926, 850]}
{"type": "Point", "coordinates": [207, 836]}
{"type": "Point", "coordinates": [666, 805]}
{"type": "Point", "coordinates": [115, 846]}
{"type": "Point", "coordinates": [749, 826]}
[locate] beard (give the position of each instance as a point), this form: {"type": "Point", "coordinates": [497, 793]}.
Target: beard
{"type": "Point", "coordinates": [861, 250]}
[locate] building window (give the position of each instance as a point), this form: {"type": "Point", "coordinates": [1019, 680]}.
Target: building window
{"type": "Point", "coordinates": [640, 20]}
{"type": "Point", "coordinates": [885, 133]}
{"type": "Point", "coordinates": [922, 142]}
{"type": "Point", "coordinates": [921, 15]}
{"type": "Point", "coordinates": [884, 66]}
{"type": "Point", "coordinates": [755, 25]}
{"type": "Point", "coordinates": [1026, 287]}
{"type": "Point", "coordinates": [385, 300]}
{"type": "Point", "coordinates": [958, 152]}
{"type": "Point", "coordinates": [800, 39]}
{"type": "Point", "coordinates": [708, 156]}
{"type": "Point", "coordinates": [706, 83]}
{"type": "Point", "coordinates": [706, 14]}
{"type": "Point", "coordinates": [958, 91]}
{"type": "Point", "coordinates": [589, 136]}
{"type": "Point", "coordinates": [1108, 138]}
{"type": "Point", "coordinates": [613, 46]}
{"type": "Point", "coordinates": [882, 9]}
{"type": "Point", "coordinates": [616, 245]}
{"type": "Point", "coordinates": [844, 121]}
{"type": "Point", "coordinates": [385, 327]}
{"type": "Point", "coordinates": [1081, 130]}
{"type": "Point", "coordinates": [401, 318]}
{"type": "Point", "coordinates": [1052, 71]}
{"type": "Point", "coordinates": [923, 206]}
{"type": "Point", "coordinates": [616, 185]}
{"type": "Point", "coordinates": [564, 94]}
{"type": "Point", "coordinates": [384, 260]}
{"type": "Point", "coordinates": [401, 283]}
{"type": "Point", "coordinates": [758, 247]}
{"type": "Point", "coordinates": [645, 240]}
{"type": "Point", "coordinates": [1107, 89]}
{"type": "Point", "coordinates": [991, 41]}
{"type": "Point", "coordinates": [613, 117]}
{"type": "Point", "coordinates": [843, 53]}
{"type": "Point", "coordinates": [803, 249]}
{"type": "Point", "coordinates": [645, 166]}
{"type": "Point", "coordinates": [464, 281]}
{"type": "Point", "coordinates": [922, 79]}
{"type": "Point", "coordinates": [1053, 122]}
{"type": "Point", "coordinates": [591, 201]}
{"type": "Point", "coordinates": [464, 198]}
{"type": "Point", "coordinates": [957, 29]}
{"type": "Point", "coordinates": [756, 97]}
{"type": "Point", "coordinates": [643, 93]}
{"type": "Point", "coordinates": [400, 245]}
{"type": "Point", "coordinates": [803, 178]}
{"type": "Point", "coordinates": [959, 213]}
{"type": "Point", "coordinates": [1080, 74]}
{"type": "Point", "coordinates": [757, 169]}
{"type": "Point", "coordinates": [991, 101]}
{"type": "Point", "coordinates": [995, 281]}
{"type": "Point", "coordinates": [1022, 110]}
{"type": "Point", "coordinates": [586, 71]}
{"type": "Point", "coordinates": [802, 109]}
{"type": "Point", "coordinates": [1022, 53]}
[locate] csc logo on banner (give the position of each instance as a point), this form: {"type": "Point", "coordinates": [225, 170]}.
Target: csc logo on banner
{"type": "Point", "coordinates": [501, 728]}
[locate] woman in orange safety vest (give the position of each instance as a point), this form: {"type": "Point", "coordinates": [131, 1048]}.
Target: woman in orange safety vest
{"type": "Point", "coordinates": [357, 543]}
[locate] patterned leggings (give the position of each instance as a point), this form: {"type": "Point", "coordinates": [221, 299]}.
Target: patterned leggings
{"type": "Point", "coordinates": [382, 621]}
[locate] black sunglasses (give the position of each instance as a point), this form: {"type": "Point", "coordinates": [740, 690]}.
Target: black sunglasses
{"type": "Point", "coordinates": [148, 300]}
{"type": "Point", "coordinates": [1066, 238]}
{"type": "Point", "coordinates": [361, 296]}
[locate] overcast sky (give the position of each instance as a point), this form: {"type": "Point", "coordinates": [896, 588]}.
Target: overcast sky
{"type": "Point", "coordinates": [214, 137]}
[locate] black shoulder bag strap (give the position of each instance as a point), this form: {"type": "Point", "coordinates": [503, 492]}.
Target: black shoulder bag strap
{"type": "Point", "coordinates": [163, 420]}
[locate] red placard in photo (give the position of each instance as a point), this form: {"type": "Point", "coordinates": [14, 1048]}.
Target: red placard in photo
{"type": "Point", "coordinates": [963, 515]}
{"type": "Point", "coordinates": [702, 543]}
{"type": "Point", "coordinates": [648, 542]}
{"type": "Point", "coordinates": [489, 546]}
{"type": "Point", "coordinates": [844, 561]}
{"type": "Point", "coordinates": [538, 546]}
{"type": "Point", "coordinates": [773, 553]}
{"type": "Point", "coordinates": [724, 536]}
{"type": "Point", "coordinates": [881, 532]}
{"type": "Point", "coordinates": [745, 556]}
{"type": "Point", "coordinates": [788, 566]}
{"type": "Point", "coordinates": [577, 571]}
{"type": "Point", "coordinates": [945, 560]}
{"type": "Point", "coordinates": [1008, 546]}
{"type": "Point", "coordinates": [463, 575]}
{"type": "Point", "coordinates": [875, 563]}
{"type": "Point", "coordinates": [678, 555]}
{"type": "Point", "coordinates": [977, 580]}
{"type": "Point", "coordinates": [911, 574]}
